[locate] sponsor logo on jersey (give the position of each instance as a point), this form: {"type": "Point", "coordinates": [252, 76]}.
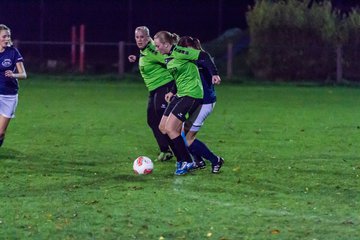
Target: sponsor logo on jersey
{"type": "Point", "coordinates": [6, 63]}
{"type": "Point", "coordinates": [181, 51]}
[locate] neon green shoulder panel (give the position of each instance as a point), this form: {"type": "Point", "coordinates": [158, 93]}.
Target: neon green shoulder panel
{"type": "Point", "coordinates": [152, 67]}
{"type": "Point", "coordinates": [182, 67]}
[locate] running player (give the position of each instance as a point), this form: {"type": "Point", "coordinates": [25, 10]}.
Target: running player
{"type": "Point", "coordinates": [189, 95]}
{"type": "Point", "coordinates": [209, 76]}
{"type": "Point", "coordinates": [11, 69]}
{"type": "Point", "coordinates": [158, 81]}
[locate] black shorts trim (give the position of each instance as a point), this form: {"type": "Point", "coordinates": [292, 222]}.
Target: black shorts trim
{"type": "Point", "coordinates": [183, 107]}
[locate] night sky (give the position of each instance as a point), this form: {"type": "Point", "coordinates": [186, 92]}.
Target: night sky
{"type": "Point", "coordinates": [115, 20]}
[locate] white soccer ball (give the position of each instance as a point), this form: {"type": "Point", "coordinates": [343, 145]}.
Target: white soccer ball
{"type": "Point", "coordinates": [143, 165]}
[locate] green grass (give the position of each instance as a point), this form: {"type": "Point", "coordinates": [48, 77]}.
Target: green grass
{"type": "Point", "coordinates": [291, 172]}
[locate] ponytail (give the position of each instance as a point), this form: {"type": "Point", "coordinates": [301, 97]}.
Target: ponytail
{"type": "Point", "coordinates": [167, 37]}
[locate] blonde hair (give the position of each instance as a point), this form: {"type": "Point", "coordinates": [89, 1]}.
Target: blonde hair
{"type": "Point", "coordinates": [144, 30]}
{"type": "Point", "coordinates": [167, 37]}
{"type": "Point", "coordinates": [6, 28]}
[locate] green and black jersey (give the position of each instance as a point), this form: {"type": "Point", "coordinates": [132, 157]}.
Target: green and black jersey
{"type": "Point", "coordinates": [152, 67]}
{"type": "Point", "coordinates": [181, 64]}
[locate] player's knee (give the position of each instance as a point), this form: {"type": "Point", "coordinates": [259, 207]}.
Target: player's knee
{"type": "Point", "coordinates": [162, 128]}
{"type": "Point", "coordinates": [190, 138]}
{"type": "Point", "coordinates": [171, 132]}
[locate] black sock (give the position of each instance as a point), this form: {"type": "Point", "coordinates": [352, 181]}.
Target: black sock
{"type": "Point", "coordinates": [181, 150]}
{"type": "Point", "coordinates": [200, 148]}
{"type": "Point", "coordinates": [197, 158]}
{"type": "Point", "coordinates": [171, 144]}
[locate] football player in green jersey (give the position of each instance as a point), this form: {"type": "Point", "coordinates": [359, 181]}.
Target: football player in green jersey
{"type": "Point", "coordinates": [188, 98]}
{"type": "Point", "coordinates": [209, 76]}
{"type": "Point", "coordinates": [158, 81]}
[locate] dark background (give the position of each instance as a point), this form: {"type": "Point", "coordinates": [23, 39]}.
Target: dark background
{"type": "Point", "coordinates": [115, 20]}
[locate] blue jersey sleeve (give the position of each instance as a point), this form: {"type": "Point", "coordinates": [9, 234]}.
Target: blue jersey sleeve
{"type": "Point", "coordinates": [205, 61]}
{"type": "Point", "coordinates": [18, 57]}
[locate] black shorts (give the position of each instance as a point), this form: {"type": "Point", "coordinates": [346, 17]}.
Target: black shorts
{"type": "Point", "coordinates": [157, 103]}
{"type": "Point", "coordinates": [183, 107]}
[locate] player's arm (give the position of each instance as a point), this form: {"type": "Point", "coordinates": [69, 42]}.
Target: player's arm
{"type": "Point", "coordinates": [171, 93]}
{"type": "Point", "coordinates": [158, 58]}
{"type": "Point", "coordinates": [173, 89]}
{"type": "Point", "coordinates": [132, 58]}
{"type": "Point", "coordinates": [21, 73]}
{"type": "Point", "coordinates": [207, 62]}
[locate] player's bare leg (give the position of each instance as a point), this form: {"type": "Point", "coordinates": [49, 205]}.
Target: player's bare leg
{"type": "Point", "coordinates": [4, 122]}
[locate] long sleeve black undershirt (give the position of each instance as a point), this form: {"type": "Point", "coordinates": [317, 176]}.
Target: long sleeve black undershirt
{"type": "Point", "coordinates": [206, 61]}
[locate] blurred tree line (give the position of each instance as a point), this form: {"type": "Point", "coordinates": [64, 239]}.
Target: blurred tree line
{"type": "Point", "coordinates": [297, 40]}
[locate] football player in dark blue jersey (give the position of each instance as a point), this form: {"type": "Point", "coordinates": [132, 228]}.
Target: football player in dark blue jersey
{"type": "Point", "coordinates": [11, 69]}
{"type": "Point", "coordinates": [209, 76]}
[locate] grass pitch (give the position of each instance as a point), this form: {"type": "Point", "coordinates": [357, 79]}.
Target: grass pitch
{"type": "Point", "coordinates": [291, 166]}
